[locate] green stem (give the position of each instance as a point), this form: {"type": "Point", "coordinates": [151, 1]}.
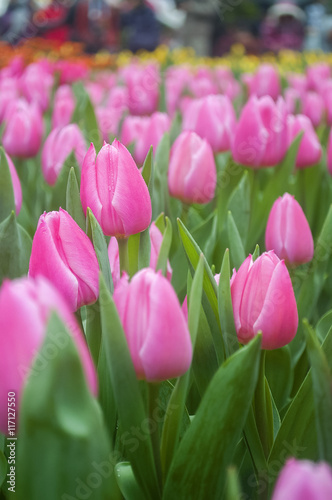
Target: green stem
{"type": "Point", "coordinates": [153, 389]}
{"type": "Point", "coordinates": [263, 409]}
{"type": "Point", "coordinates": [123, 254]}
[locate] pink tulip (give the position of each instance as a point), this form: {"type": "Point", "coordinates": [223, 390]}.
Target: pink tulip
{"type": "Point", "coordinates": [313, 107]}
{"type": "Point", "coordinates": [212, 118]}
{"type": "Point", "coordinates": [192, 175]}
{"type": "Point", "coordinates": [264, 82]}
{"type": "Point", "coordinates": [261, 134]}
{"type": "Point", "coordinates": [288, 232]}
{"type": "Point", "coordinates": [202, 84]}
{"type": "Point", "coordinates": [143, 89]}
{"type": "Point", "coordinates": [292, 98]}
{"type": "Point", "coordinates": [156, 239]}
{"type": "Point", "coordinates": [298, 82]}
{"type": "Point", "coordinates": [118, 99]}
{"type": "Point", "coordinates": [8, 93]}
{"type": "Point", "coordinates": [151, 134]}
{"type": "Point", "coordinates": [228, 85]}
{"type": "Point", "coordinates": [310, 150]}
{"type": "Point", "coordinates": [155, 327]}
{"type": "Point", "coordinates": [58, 146]}
{"type": "Point", "coordinates": [329, 153]}
{"type": "Point", "coordinates": [64, 105]}
{"type": "Point", "coordinates": [96, 92]}
{"type": "Point", "coordinates": [25, 308]}
{"type": "Point", "coordinates": [304, 480]}
{"type": "Point", "coordinates": [23, 129]}
{"type": "Point", "coordinates": [263, 300]}
{"type": "Point", "coordinates": [71, 71]}
{"type": "Point", "coordinates": [176, 80]}
{"type": "Point", "coordinates": [132, 128]}
{"type": "Point", "coordinates": [114, 189]}
{"type": "Point", "coordinates": [36, 85]}
{"type": "Point", "coordinates": [64, 254]}
{"type": "Point", "coordinates": [16, 185]}
{"type": "Point", "coordinates": [316, 74]}
{"type": "Point", "coordinates": [108, 121]}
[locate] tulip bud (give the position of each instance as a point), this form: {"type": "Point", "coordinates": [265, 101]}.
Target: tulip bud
{"type": "Point", "coordinates": [64, 105]}
{"type": "Point", "coordinates": [192, 175]}
{"type": "Point", "coordinates": [261, 133]}
{"type": "Point", "coordinates": [155, 327]}
{"type": "Point", "coordinates": [23, 130]}
{"type": "Point", "coordinates": [64, 254]}
{"type": "Point", "coordinates": [25, 307]}
{"type": "Point", "coordinates": [36, 83]}
{"type": "Point", "coordinates": [132, 128]}
{"type": "Point", "coordinates": [16, 185]}
{"type": "Point", "coordinates": [265, 82]}
{"type": "Point", "coordinates": [114, 189]}
{"type": "Point", "coordinates": [310, 150]}
{"type": "Point", "coordinates": [288, 232]}
{"type": "Point", "coordinates": [212, 118]}
{"type": "Point", "coordinates": [263, 300]}
{"type": "Point", "coordinates": [317, 74]}
{"type": "Point", "coordinates": [151, 134]}
{"type": "Point", "coordinates": [302, 479]}
{"type": "Point", "coordinates": [313, 107]}
{"type": "Point", "coordinates": [143, 89]}
{"type": "Point", "coordinates": [58, 146]}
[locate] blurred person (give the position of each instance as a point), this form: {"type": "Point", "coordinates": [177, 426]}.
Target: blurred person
{"type": "Point", "coordinates": [139, 26]}
{"type": "Point", "coordinates": [316, 13]}
{"type": "Point", "coordinates": [198, 28]}
{"type": "Point", "coordinates": [283, 27]}
{"type": "Point", "coordinates": [15, 20]}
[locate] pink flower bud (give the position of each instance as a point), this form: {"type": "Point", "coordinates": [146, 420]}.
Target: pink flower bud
{"type": "Point", "coordinates": [264, 82]}
{"type": "Point", "coordinates": [310, 150]}
{"type": "Point", "coordinates": [58, 146]}
{"type": "Point", "coordinates": [143, 89]}
{"type": "Point", "coordinates": [25, 308]}
{"type": "Point", "coordinates": [316, 74]}
{"type": "Point", "coordinates": [64, 105]}
{"type": "Point", "coordinates": [298, 82]}
{"type": "Point", "coordinates": [263, 300]}
{"type": "Point", "coordinates": [261, 133]}
{"type": "Point", "coordinates": [64, 254]}
{"type": "Point", "coordinates": [212, 118]}
{"type": "Point", "coordinates": [155, 327]}
{"type": "Point", "coordinates": [23, 130]}
{"type": "Point", "coordinates": [16, 185]}
{"type": "Point", "coordinates": [108, 121]}
{"type": "Point", "coordinates": [192, 175]}
{"type": "Point", "coordinates": [304, 480]}
{"type": "Point", "coordinates": [288, 232]}
{"type": "Point", "coordinates": [8, 92]}
{"type": "Point", "coordinates": [313, 107]}
{"type": "Point", "coordinates": [132, 128]}
{"type": "Point", "coordinates": [292, 98]}
{"type": "Point", "coordinates": [36, 84]}
{"type": "Point", "coordinates": [114, 189]}
{"type": "Point", "coordinates": [151, 134]}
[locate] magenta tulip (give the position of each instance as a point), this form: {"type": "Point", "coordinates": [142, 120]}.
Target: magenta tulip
{"type": "Point", "coordinates": [58, 146]}
{"type": "Point", "coordinates": [64, 105]}
{"type": "Point", "coordinates": [36, 84]}
{"type": "Point", "coordinates": [263, 300]}
{"type": "Point", "coordinates": [264, 82]}
{"type": "Point", "coordinates": [114, 189]}
{"type": "Point", "coordinates": [192, 175]}
{"type": "Point", "coordinates": [23, 129]}
{"type": "Point", "coordinates": [64, 254]}
{"type": "Point", "coordinates": [143, 89]}
{"type": "Point", "coordinates": [261, 133]}
{"type": "Point", "coordinates": [310, 150]}
{"type": "Point", "coordinates": [151, 134]}
{"type": "Point", "coordinates": [304, 480]}
{"type": "Point", "coordinates": [212, 118]}
{"type": "Point", "coordinates": [16, 185]}
{"type": "Point", "coordinates": [288, 232]}
{"type": "Point", "coordinates": [155, 327]}
{"type": "Point", "coordinates": [25, 308]}
{"type": "Point", "coordinates": [317, 74]}
{"type": "Point", "coordinates": [313, 107]}
{"type": "Point", "coordinates": [132, 128]}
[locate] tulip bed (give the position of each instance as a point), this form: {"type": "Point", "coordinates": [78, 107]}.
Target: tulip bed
{"type": "Point", "coordinates": [165, 306]}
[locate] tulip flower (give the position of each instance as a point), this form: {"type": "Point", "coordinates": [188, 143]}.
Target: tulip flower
{"type": "Point", "coordinates": [64, 105]}
{"type": "Point", "coordinates": [317, 74]}
{"type": "Point", "coordinates": [132, 128]}
{"type": "Point", "coordinates": [313, 107]}
{"type": "Point", "coordinates": [23, 129]}
{"type": "Point", "coordinates": [64, 254]}
{"type": "Point", "coordinates": [261, 134]}
{"type": "Point", "coordinates": [310, 150]}
{"type": "Point", "coordinates": [212, 118]}
{"type": "Point", "coordinates": [143, 89]}
{"type": "Point", "coordinates": [265, 82]}
{"type": "Point", "coordinates": [151, 134]}
{"type": "Point", "coordinates": [192, 175]}
{"type": "Point", "coordinates": [58, 146]}
{"type": "Point", "coordinates": [304, 480]}
{"type": "Point", "coordinates": [288, 232]}
{"type": "Point", "coordinates": [16, 185]}
{"type": "Point", "coordinates": [25, 308]}
{"type": "Point", "coordinates": [8, 92]}
{"type": "Point", "coordinates": [227, 83]}
{"type": "Point", "coordinates": [36, 84]}
{"type": "Point", "coordinates": [155, 327]}
{"type": "Point", "coordinates": [114, 189]}
{"type": "Point", "coordinates": [263, 300]}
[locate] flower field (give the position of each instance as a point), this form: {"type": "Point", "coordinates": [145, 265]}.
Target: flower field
{"type": "Point", "coordinates": [166, 275]}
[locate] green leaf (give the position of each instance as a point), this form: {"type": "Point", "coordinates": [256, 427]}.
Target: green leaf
{"type": "Point", "coordinates": [229, 175]}
{"type": "Point", "coordinates": [279, 373]}
{"type": "Point", "coordinates": [58, 193]}
{"type": "Point", "coordinates": [3, 468]}
{"type": "Point", "coordinates": [147, 170]}
{"type": "Point", "coordinates": [144, 249]}
{"type": "Point", "coordinates": [73, 200]}
{"type": "Point", "coordinates": [85, 117]}
{"type": "Point", "coordinates": [321, 380]}
{"type": "Point", "coordinates": [233, 486]}
{"type": "Point", "coordinates": [100, 246]}
{"type": "Point", "coordinates": [323, 326]}
{"type": "Point", "coordinates": [165, 248]}
{"type": "Point", "coordinates": [127, 395]}
{"type": "Point", "coordinates": [127, 482]}
{"type": "Point", "coordinates": [240, 206]}
{"type": "Point", "coordinates": [235, 243]}
{"type": "Point", "coordinates": [59, 413]}
{"type": "Point", "coordinates": [15, 249]}
{"type": "Point", "coordinates": [226, 308]}
{"type": "Point", "coordinates": [160, 194]}
{"type": "Point", "coordinates": [7, 200]}
{"type": "Point", "coordinates": [256, 253]}
{"type": "Point", "coordinates": [133, 251]}
{"type": "Point", "coordinates": [215, 430]}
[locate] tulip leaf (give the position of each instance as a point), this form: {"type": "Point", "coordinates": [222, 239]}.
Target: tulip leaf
{"type": "Point", "coordinates": [15, 249]}
{"type": "Point", "coordinates": [229, 175]}
{"type": "Point", "coordinates": [173, 418]}
{"type": "Point", "coordinates": [127, 482]}
{"type": "Point", "coordinates": [279, 373]}
{"type": "Point", "coordinates": [203, 475]}
{"type": "Point", "coordinates": [7, 200]}
{"type": "Point", "coordinates": [73, 200]}
{"type": "Point", "coordinates": [226, 308]}
{"type": "Point", "coordinates": [256, 253]}
{"type": "Point", "coordinates": [160, 222]}
{"type": "Point", "coordinates": [175, 130]}
{"type": "Point", "coordinates": [127, 396]}
{"type": "Point", "coordinates": [3, 465]}
{"type": "Point", "coordinates": [165, 248]}
{"type": "Point", "coordinates": [85, 116]}
{"type": "Point", "coordinates": [133, 251]}
{"type": "Point", "coordinates": [323, 326]}
{"type": "Point", "coordinates": [235, 243]}
{"type": "Point", "coordinates": [59, 412]}
{"type": "Point", "coordinates": [147, 170]}
{"type": "Point", "coordinates": [233, 486]}
{"type": "Point", "coordinates": [100, 247]}
{"type": "Point", "coordinates": [144, 249]}
{"type": "Point", "coordinates": [240, 206]}
{"type": "Point", "coordinates": [160, 194]}
{"type": "Point", "coordinates": [321, 380]}
{"type": "Point", "coordinates": [58, 192]}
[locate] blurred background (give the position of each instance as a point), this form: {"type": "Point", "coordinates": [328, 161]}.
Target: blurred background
{"type": "Point", "coordinates": [210, 27]}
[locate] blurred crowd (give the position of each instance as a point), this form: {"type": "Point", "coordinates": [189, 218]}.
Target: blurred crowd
{"type": "Point", "coordinates": [211, 27]}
